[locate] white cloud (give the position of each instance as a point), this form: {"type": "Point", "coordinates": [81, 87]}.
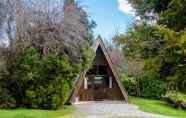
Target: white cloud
{"type": "Point", "coordinates": [125, 7]}
{"type": "Point", "coordinates": [4, 40]}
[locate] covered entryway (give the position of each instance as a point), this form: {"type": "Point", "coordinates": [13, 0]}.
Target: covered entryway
{"type": "Point", "coordinates": [97, 84]}
{"type": "Point", "coordinates": [96, 88]}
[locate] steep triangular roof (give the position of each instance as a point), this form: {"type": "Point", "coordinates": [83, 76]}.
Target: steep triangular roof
{"type": "Point", "coordinates": [99, 42]}
{"type": "Point", "coordinates": [113, 68]}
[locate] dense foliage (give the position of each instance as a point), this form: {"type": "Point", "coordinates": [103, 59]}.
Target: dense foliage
{"type": "Point", "coordinates": [152, 88]}
{"type": "Point", "coordinates": [159, 50]}
{"type": "Point", "coordinates": [49, 47]}
{"type": "Point", "coordinates": [168, 12]}
{"type": "Point", "coordinates": [44, 83]}
{"type": "Point", "coordinates": [6, 99]}
{"type": "Point", "coordinates": [176, 99]}
{"type": "Point", "coordinates": [156, 46]}
{"type": "Point", "coordinates": [147, 88]}
{"type": "Point", "coordinates": [130, 85]}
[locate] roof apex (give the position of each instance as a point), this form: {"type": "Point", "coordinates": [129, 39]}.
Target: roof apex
{"type": "Point", "coordinates": [99, 40]}
{"type": "Point", "coordinates": [99, 37]}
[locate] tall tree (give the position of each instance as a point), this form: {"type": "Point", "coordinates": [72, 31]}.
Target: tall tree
{"type": "Point", "coordinates": [160, 46]}
{"type": "Point", "coordinates": [50, 27]}
{"type": "Point", "coordinates": [169, 12]}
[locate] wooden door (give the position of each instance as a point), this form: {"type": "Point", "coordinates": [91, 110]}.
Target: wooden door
{"type": "Point", "coordinates": [99, 88]}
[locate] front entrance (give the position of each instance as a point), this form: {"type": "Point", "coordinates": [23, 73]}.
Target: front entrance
{"type": "Point", "coordinates": [94, 88]}
{"type": "Point", "coordinates": [99, 87]}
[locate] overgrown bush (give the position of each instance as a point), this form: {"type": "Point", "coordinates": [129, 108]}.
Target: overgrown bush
{"type": "Point", "coordinates": [130, 85]}
{"type": "Point", "coordinates": [27, 74]}
{"type": "Point", "coordinates": [6, 99]}
{"type": "Point", "coordinates": [175, 99]}
{"type": "Point", "coordinates": [45, 83]}
{"type": "Point", "coordinates": [150, 88]}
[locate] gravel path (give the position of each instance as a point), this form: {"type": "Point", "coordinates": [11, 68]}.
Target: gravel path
{"type": "Point", "coordinates": [110, 109]}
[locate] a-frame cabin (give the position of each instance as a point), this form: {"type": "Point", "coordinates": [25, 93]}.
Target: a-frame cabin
{"type": "Point", "coordinates": [101, 81]}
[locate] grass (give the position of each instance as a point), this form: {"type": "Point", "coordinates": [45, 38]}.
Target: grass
{"type": "Point", "coordinates": [26, 113]}
{"type": "Point", "coordinates": [157, 106]}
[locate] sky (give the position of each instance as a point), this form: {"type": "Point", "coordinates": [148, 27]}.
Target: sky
{"type": "Point", "coordinates": [110, 16]}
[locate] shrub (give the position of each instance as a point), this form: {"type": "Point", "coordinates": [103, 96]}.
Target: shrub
{"type": "Point", "coordinates": [175, 99]}
{"type": "Point", "coordinates": [130, 85]}
{"type": "Point", "coordinates": [41, 81]}
{"type": "Point", "coordinates": [6, 100]}
{"type": "Point", "coordinates": [151, 88]}
{"type": "Point", "coordinates": [45, 83]}
{"type": "Point", "coordinates": [27, 74]}
{"type": "Point", "coordinates": [54, 83]}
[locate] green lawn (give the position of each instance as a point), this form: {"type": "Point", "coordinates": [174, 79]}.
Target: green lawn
{"type": "Point", "coordinates": [26, 113]}
{"type": "Point", "coordinates": [156, 106]}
